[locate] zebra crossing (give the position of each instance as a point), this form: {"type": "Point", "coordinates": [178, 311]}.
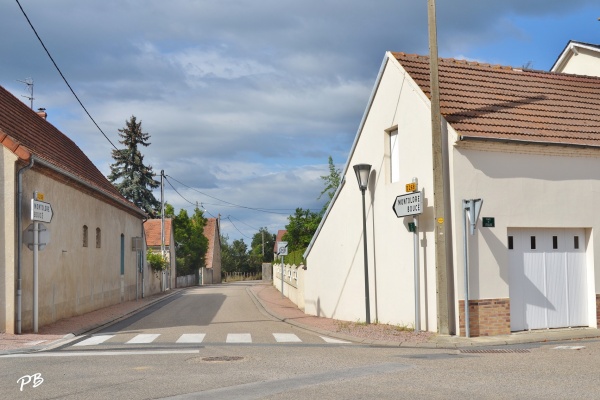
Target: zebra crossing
{"type": "Point", "coordinates": [195, 338]}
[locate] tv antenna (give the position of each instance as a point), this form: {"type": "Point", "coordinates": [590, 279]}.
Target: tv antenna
{"type": "Point", "coordinates": [29, 83]}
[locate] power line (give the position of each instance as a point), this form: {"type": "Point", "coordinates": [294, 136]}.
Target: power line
{"type": "Point", "coordinates": [229, 219]}
{"type": "Point", "coordinates": [63, 77]}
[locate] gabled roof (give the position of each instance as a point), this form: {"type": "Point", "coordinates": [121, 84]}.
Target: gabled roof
{"type": "Point", "coordinates": [211, 231]}
{"type": "Point", "coordinates": [570, 49]}
{"type": "Point", "coordinates": [152, 232]}
{"type": "Point", "coordinates": [26, 133]}
{"type": "Point", "coordinates": [505, 103]}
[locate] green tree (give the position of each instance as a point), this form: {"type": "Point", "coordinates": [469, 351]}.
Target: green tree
{"type": "Point", "coordinates": [331, 181]}
{"type": "Point", "coordinates": [301, 228]}
{"type": "Point", "coordinates": [192, 245]}
{"type": "Point", "coordinates": [263, 239]}
{"type": "Point", "coordinates": [131, 177]}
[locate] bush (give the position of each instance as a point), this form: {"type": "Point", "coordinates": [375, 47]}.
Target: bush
{"type": "Point", "coordinates": [156, 261]}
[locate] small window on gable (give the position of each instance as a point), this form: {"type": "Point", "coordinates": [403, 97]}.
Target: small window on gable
{"type": "Point", "coordinates": [576, 242]}
{"type": "Point", "coordinates": [85, 236]}
{"type": "Point", "coordinates": [510, 243]}
{"type": "Point", "coordinates": [532, 242]}
{"type": "Point", "coordinates": [554, 242]}
{"type": "Point", "coordinates": [98, 238]}
{"type": "Point", "coordinates": [394, 157]}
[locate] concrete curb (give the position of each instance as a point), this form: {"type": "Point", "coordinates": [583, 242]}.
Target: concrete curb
{"type": "Point", "coordinates": [89, 329]}
{"type": "Point", "coordinates": [447, 342]}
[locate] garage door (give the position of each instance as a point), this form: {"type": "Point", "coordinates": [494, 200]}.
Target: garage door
{"type": "Point", "coordinates": [547, 278]}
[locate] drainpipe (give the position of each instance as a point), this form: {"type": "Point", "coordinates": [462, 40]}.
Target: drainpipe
{"type": "Point", "coordinates": [20, 237]}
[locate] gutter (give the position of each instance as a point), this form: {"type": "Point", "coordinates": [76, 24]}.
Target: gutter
{"type": "Point", "coordinates": [20, 237]}
{"type": "Point", "coordinates": [462, 138]}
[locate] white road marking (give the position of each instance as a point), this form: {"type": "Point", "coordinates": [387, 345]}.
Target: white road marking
{"type": "Point", "coordinates": [569, 347]}
{"type": "Point", "coordinates": [191, 338]}
{"type": "Point", "coordinates": [100, 353]}
{"type": "Point", "coordinates": [94, 340]}
{"type": "Point", "coordinates": [332, 340]}
{"type": "Point", "coordinates": [286, 338]}
{"type": "Point", "coordinates": [144, 338]}
{"type": "Point", "coordinates": [239, 338]}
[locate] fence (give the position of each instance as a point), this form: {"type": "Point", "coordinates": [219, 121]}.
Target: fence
{"type": "Point", "coordinates": [293, 282]}
{"type": "Point", "coordinates": [241, 276]}
{"type": "Point", "coordinates": [187, 280]}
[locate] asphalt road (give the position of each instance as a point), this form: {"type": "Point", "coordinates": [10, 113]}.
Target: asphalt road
{"type": "Point", "coordinates": [308, 367]}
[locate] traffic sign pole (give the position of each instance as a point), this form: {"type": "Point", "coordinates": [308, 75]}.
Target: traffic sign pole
{"type": "Point", "coordinates": [36, 242]}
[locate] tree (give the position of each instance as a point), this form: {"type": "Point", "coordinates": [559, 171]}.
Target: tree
{"type": "Point", "coordinates": [192, 245]}
{"type": "Point", "coordinates": [331, 181]}
{"type": "Point", "coordinates": [131, 177]}
{"type": "Point", "coordinates": [234, 257]}
{"type": "Point", "coordinates": [301, 228]}
{"type": "Point", "coordinates": [261, 240]}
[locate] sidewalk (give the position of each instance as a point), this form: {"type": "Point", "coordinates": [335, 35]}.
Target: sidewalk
{"type": "Point", "coordinates": [388, 335]}
{"type": "Point", "coordinates": [62, 331]}
{"type": "Point", "coordinates": [269, 299]}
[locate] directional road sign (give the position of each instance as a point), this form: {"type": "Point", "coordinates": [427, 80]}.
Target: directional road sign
{"type": "Point", "coordinates": [408, 204]}
{"type": "Point", "coordinates": [41, 211]}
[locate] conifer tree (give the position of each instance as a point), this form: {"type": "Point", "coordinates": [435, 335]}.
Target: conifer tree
{"type": "Point", "coordinates": [131, 177]}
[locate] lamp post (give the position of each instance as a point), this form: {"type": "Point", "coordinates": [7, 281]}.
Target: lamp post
{"type": "Point", "coordinates": [362, 172]}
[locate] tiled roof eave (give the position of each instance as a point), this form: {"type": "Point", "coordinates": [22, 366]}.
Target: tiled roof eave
{"type": "Point", "coordinates": [545, 142]}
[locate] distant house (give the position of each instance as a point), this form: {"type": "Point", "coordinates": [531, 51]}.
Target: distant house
{"type": "Point", "coordinates": [525, 142]}
{"type": "Point", "coordinates": [212, 272]}
{"type": "Point", "coordinates": [278, 238]}
{"type": "Point", "coordinates": [152, 228]}
{"type": "Point", "coordinates": [88, 262]}
{"type": "Point", "coordinates": [578, 58]}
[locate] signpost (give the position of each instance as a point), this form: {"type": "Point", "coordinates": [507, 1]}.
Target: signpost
{"type": "Point", "coordinates": [40, 212]}
{"type": "Point", "coordinates": [406, 205]}
{"type": "Point", "coordinates": [471, 208]}
{"type": "Point", "coordinates": [282, 250]}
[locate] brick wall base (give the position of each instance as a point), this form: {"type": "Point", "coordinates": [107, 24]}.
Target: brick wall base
{"type": "Point", "coordinates": [598, 309]}
{"type": "Point", "coordinates": [487, 317]}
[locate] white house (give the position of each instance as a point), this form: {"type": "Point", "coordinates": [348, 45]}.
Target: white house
{"type": "Point", "coordinates": [89, 261]}
{"type": "Point", "coordinates": [528, 144]}
{"type": "Point", "coordinates": [578, 58]}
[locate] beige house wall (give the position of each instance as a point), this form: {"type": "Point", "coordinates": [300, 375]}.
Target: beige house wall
{"type": "Point", "coordinates": [7, 237]}
{"type": "Point", "coordinates": [74, 279]}
{"type": "Point", "coordinates": [335, 269]}
{"type": "Point", "coordinates": [586, 62]}
{"type": "Point", "coordinates": [528, 186]}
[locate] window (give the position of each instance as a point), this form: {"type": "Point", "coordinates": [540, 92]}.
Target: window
{"type": "Point", "coordinates": [533, 243]}
{"type": "Point", "coordinates": [576, 242]}
{"type": "Point", "coordinates": [85, 236]}
{"type": "Point", "coordinates": [122, 254]}
{"type": "Point", "coordinates": [394, 157]}
{"type": "Point", "coordinates": [555, 242]}
{"type": "Point", "coordinates": [98, 238]}
{"type": "Point", "coordinates": [510, 242]}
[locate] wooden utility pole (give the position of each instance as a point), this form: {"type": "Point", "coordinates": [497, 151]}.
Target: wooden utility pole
{"type": "Point", "coordinates": [438, 179]}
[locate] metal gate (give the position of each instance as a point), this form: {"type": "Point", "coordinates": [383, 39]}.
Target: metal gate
{"type": "Point", "coordinates": [547, 278]}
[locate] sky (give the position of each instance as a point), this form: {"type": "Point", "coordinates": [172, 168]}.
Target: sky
{"type": "Point", "coordinates": [245, 100]}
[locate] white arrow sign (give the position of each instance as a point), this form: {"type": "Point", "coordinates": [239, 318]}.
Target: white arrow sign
{"type": "Point", "coordinates": [41, 211]}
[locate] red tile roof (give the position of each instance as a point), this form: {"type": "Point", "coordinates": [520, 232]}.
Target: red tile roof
{"type": "Point", "coordinates": [487, 101]}
{"type": "Point", "coordinates": [152, 232]}
{"type": "Point", "coordinates": [278, 239]}
{"type": "Point", "coordinates": [25, 133]}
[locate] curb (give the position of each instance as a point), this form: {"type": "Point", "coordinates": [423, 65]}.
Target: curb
{"type": "Point", "coordinates": [447, 342]}
{"type": "Point", "coordinates": [69, 337]}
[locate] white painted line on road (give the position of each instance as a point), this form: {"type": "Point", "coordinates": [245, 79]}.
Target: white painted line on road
{"type": "Point", "coordinates": [239, 338]}
{"type": "Point", "coordinates": [332, 340]}
{"type": "Point", "coordinates": [286, 338]}
{"type": "Point", "coordinates": [191, 338]}
{"type": "Point", "coordinates": [569, 347]}
{"type": "Point", "coordinates": [101, 353]}
{"type": "Point", "coordinates": [144, 338]}
{"type": "Point", "coordinates": [94, 340]}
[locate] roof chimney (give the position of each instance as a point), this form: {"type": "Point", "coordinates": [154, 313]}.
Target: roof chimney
{"type": "Point", "coordinates": [42, 113]}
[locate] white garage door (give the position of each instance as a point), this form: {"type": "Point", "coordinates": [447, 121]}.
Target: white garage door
{"type": "Point", "coordinates": [547, 279]}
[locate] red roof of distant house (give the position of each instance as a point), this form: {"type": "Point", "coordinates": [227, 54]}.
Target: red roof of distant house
{"type": "Point", "coordinates": [506, 103]}
{"type": "Point", "coordinates": [26, 133]}
{"type": "Point", "coordinates": [152, 231]}
{"type": "Point", "coordinates": [278, 239]}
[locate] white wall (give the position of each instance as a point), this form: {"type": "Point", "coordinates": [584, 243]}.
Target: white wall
{"type": "Point", "coordinates": [524, 186]}
{"type": "Point", "coordinates": [586, 62]}
{"type": "Point", "coordinates": [7, 238]}
{"type": "Point", "coordinates": [334, 276]}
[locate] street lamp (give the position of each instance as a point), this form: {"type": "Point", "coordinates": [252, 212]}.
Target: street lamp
{"type": "Point", "coordinates": [362, 172]}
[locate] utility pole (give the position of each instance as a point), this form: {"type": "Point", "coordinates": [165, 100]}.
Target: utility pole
{"type": "Point", "coordinates": [439, 198]}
